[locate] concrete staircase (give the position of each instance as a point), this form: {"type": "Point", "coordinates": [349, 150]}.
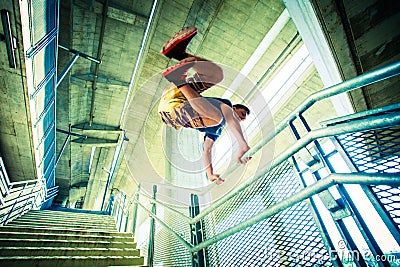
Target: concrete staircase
{"type": "Point", "coordinates": [59, 238]}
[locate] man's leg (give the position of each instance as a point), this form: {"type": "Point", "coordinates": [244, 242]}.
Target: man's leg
{"type": "Point", "coordinates": [207, 72]}
{"type": "Point", "coordinates": [210, 73]}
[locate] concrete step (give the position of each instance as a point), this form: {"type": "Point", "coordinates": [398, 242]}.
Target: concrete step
{"type": "Point", "coordinates": [61, 226]}
{"type": "Point", "coordinates": [64, 221]}
{"type": "Point", "coordinates": [68, 214]}
{"type": "Point", "coordinates": [38, 230]}
{"type": "Point", "coordinates": [65, 261]}
{"type": "Point", "coordinates": [8, 242]}
{"type": "Point", "coordinates": [65, 236]}
{"type": "Point", "coordinates": [67, 251]}
{"type": "Point", "coordinates": [29, 217]}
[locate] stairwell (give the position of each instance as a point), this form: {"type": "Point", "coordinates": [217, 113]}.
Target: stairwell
{"type": "Point", "coordinates": [60, 238]}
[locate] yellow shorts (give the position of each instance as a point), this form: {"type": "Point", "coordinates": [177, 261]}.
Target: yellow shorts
{"type": "Point", "coordinates": [175, 111]}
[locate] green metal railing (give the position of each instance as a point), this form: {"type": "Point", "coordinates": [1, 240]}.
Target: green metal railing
{"type": "Point", "coordinates": [20, 197]}
{"type": "Point", "coordinates": [273, 218]}
{"type": "Point", "coordinates": [17, 198]}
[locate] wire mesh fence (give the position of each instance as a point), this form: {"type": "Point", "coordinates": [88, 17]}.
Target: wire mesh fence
{"type": "Point", "coordinates": [168, 250]}
{"type": "Point", "coordinates": [377, 151]}
{"type": "Point", "coordinates": [290, 238]}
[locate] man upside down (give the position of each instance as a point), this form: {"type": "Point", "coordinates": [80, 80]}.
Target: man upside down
{"type": "Point", "coordinates": [182, 104]}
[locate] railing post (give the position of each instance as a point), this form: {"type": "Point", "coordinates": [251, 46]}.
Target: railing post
{"type": "Point", "coordinates": [121, 214]}
{"type": "Point", "coordinates": [110, 205]}
{"type": "Point", "coordinates": [135, 210]}
{"type": "Point", "coordinates": [16, 200]}
{"type": "Point", "coordinates": [326, 238]}
{"type": "Point", "coordinates": [150, 253]}
{"type": "Point", "coordinates": [198, 259]}
{"type": "Point", "coordinates": [348, 205]}
{"type": "Point", "coordinates": [30, 196]}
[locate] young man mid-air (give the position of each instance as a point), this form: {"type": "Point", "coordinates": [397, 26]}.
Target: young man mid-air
{"type": "Point", "coordinates": [182, 104]}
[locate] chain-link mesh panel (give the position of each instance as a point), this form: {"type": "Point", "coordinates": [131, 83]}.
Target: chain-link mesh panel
{"type": "Point", "coordinates": [44, 15]}
{"type": "Point", "coordinates": [44, 63]}
{"type": "Point", "coordinates": [377, 151]}
{"type": "Point", "coordinates": [289, 238]}
{"type": "Point", "coordinates": [168, 250]}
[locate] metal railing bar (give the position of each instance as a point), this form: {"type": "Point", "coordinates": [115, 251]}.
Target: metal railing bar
{"type": "Point", "coordinates": [15, 202]}
{"type": "Point", "coordinates": [8, 202]}
{"type": "Point", "coordinates": [177, 202]}
{"type": "Point", "coordinates": [169, 229]}
{"type": "Point", "coordinates": [42, 43]}
{"type": "Point", "coordinates": [23, 182]}
{"type": "Point", "coordinates": [46, 134]}
{"type": "Point", "coordinates": [67, 139]}
{"type": "Point", "coordinates": [143, 49]}
{"type": "Point", "coordinates": [3, 171]}
{"type": "Point", "coordinates": [331, 180]}
{"type": "Point", "coordinates": [14, 190]}
{"type": "Point", "coordinates": [171, 186]}
{"type": "Point", "coordinates": [17, 213]}
{"type": "Point", "coordinates": [186, 218]}
{"type": "Point", "coordinates": [355, 126]}
{"type": "Point", "coordinates": [50, 151]}
{"type": "Point", "coordinates": [383, 121]}
{"type": "Point", "coordinates": [361, 125]}
{"type": "Point", "coordinates": [48, 108]}
{"type": "Point", "coordinates": [358, 115]}
{"type": "Point", "coordinates": [74, 51]}
{"type": "Point", "coordinates": [41, 86]}
{"type": "Point", "coordinates": [35, 187]}
{"type": "Point", "coordinates": [17, 199]}
{"type": "Point", "coordinates": [346, 86]}
{"type": "Point", "coordinates": [67, 69]}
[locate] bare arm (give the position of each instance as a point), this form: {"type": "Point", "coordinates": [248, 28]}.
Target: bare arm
{"type": "Point", "coordinates": [207, 161]}
{"type": "Point", "coordinates": [234, 125]}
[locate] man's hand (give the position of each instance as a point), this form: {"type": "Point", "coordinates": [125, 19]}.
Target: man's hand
{"type": "Point", "coordinates": [242, 151]}
{"type": "Point", "coordinates": [215, 177]}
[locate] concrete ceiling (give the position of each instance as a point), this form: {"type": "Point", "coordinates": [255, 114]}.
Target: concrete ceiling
{"type": "Point", "coordinates": [113, 104]}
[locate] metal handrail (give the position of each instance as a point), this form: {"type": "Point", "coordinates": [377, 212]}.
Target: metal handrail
{"type": "Point", "coordinates": [356, 126]}
{"type": "Point", "coordinates": [38, 190]}
{"type": "Point", "coordinates": [5, 181]}
{"type": "Point", "coordinates": [14, 184]}
{"type": "Point", "coordinates": [15, 203]}
{"type": "Point", "coordinates": [151, 200]}
{"type": "Point", "coordinates": [306, 193]}
{"type": "Point", "coordinates": [346, 86]}
{"type": "Point", "coordinates": [362, 80]}
{"type": "Point", "coordinates": [382, 121]}
{"type": "Point", "coordinates": [331, 180]}
{"type": "Point", "coordinates": [166, 226]}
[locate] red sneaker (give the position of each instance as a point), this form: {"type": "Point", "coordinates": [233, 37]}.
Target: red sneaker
{"type": "Point", "coordinates": [177, 73]}
{"type": "Point", "coordinates": [175, 47]}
